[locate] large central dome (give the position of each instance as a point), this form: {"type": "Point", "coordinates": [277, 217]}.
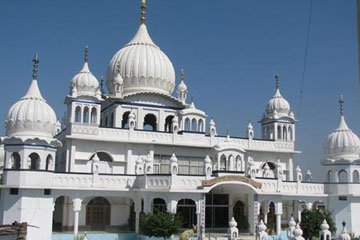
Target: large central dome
{"type": "Point", "coordinates": [142, 65]}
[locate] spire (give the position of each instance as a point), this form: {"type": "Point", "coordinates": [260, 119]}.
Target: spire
{"type": "Point", "coordinates": [341, 102]}
{"type": "Point", "coordinates": [86, 54]}
{"type": "Point", "coordinates": [35, 66]}
{"type": "Point", "coordinates": [143, 11]}
{"type": "Point", "coordinates": [277, 80]}
{"type": "Point", "coordinates": [182, 75]}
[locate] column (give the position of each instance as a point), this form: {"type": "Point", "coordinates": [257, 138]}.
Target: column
{"type": "Point", "coordinates": [76, 209]}
{"type": "Point", "coordinates": [137, 214]}
{"type": "Point", "coordinates": [266, 211]}
{"type": "Point", "coordinates": [200, 214]}
{"type": "Point", "coordinates": [278, 213]}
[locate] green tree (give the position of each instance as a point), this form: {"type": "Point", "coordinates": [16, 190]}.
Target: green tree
{"type": "Point", "coordinates": [159, 224]}
{"type": "Point", "coordinates": [311, 221]}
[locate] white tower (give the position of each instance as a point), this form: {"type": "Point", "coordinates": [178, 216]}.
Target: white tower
{"type": "Point", "coordinates": [182, 88]}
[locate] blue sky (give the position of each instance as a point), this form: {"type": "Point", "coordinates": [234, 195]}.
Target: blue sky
{"type": "Point", "coordinates": [230, 51]}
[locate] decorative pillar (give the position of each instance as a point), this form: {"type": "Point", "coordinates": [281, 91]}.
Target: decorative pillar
{"type": "Point", "coordinates": [291, 228]}
{"type": "Point", "coordinates": [76, 208]}
{"type": "Point", "coordinates": [200, 214]}
{"type": "Point", "coordinates": [207, 167]}
{"type": "Point", "coordinates": [261, 233]}
{"type": "Point", "coordinates": [233, 231]}
{"type": "Point", "coordinates": [278, 212]}
{"type": "Point", "coordinates": [324, 232]}
{"type": "Point", "coordinates": [298, 233]}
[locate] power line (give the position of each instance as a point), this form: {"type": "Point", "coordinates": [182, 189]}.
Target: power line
{"type": "Point", "coordinates": [305, 59]}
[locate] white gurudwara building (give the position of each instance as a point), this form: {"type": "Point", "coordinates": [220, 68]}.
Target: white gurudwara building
{"type": "Point", "coordinates": [143, 146]}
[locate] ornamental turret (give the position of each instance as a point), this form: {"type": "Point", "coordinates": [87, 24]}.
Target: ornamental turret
{"type": "Point", "coordinates": [278, 121]}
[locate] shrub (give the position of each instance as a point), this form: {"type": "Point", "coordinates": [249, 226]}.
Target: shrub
{"type": "Point", "coordinates": [159, 224]}
{"type": "Point", "coordinates": [311, 221]}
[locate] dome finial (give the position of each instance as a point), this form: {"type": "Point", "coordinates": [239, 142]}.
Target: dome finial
{"type": "Point", "coordinates": [86, 54]}
{"type": "Point", "coordinates": [182, 75]}
{"type": "Point", "coordinates": [143, 11]}
{"type": "Point", "coordinates": [35, 66]}
{"type": "Point", "coordinates": [277, 80]}
{"type": "Point", "coordinates": [341, 102]}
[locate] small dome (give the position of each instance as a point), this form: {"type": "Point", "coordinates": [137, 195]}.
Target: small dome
{"type": "Point", "coordinates": [85, 83]}
{"type": "Point", "coordinates": [31, 116]}
{"type": "Point", "coordinates": [143, 66]}
{"type": "Point", "coordinates": [182, 87]}
{"type": "Point", "coordinates": [342, 143]}
{"type": "Point", "coordinates": [278, 106]}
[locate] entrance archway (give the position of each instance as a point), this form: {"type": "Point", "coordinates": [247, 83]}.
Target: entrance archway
{"type": "Point", "coordinates": [98, 213]}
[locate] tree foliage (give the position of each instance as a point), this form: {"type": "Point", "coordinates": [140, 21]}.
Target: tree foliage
{"type": "Point", "coordinates": [159, 224]}
{"type": "Point", "coordinates": [311, 221]}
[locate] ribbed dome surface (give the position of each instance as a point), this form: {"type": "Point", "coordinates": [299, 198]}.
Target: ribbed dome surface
{"type": "Point", "coordinates": [277, 104]}
{"type": "Point", "coordinates": [143, 66]}
{"type": "Point", "coordinates": [85, 83]}
{"type": "Point", "coordinates": [342, 143]}
{"type": "Point", "coordinates": [31, 116]}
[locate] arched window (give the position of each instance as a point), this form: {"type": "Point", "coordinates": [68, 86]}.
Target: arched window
{"type": "Point", "coordinates": [15, 161]}
{"type": "Point", "coordinates": [270, 164]}
{"type": "Point", "coordinates": [290, 133]}
{"type": "Point", "coordinates": [201, 125]}
{"type": "Point", "coordinates": [159, 204]}
{"type": "Point", "coordinates": [343, 176]}
{"type": "Point", "coordinates": [279, 132]}
{"type": "Point", "coordinates": [78, 114]}
{"type": "Point", "coordinates": [93, 115]}
{"type": "Point", "coordinates": [34, 161]}
{"type": "Point", "coordinates": [193, 125]}
{"type": "Point", "coordinates": [103, 156]}
{"type": "Point", "coordinates": [356, 178]}
{"type": "Point", "coordinates": [187, 124]}
{"type": "Point", "coordinates": [150, 122]}
{"type": "Point", "coordinates": [49, 162]}
{"type": "Point", "coordinates": [125, 120]}
{"type": "Point", "coordinates": [238, 163]}
{"type": "Point", "coordinates": [284, 133]}
{"type": "Point", "coordinates": [86, 115]}
{"type": "Point", "coordinates": [168, 123]}
{"type": "Point", "coordinates": [223, 163]}
{"type": "Point", "coordinates": [329, 178]}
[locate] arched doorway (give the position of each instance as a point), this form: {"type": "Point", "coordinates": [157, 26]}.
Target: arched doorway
{"type": "Point", "coordinates": [98, 213]}
{"type": "Point", "coordinates": [159, 205]}
{"type": "Point", "coordinates": [239, 213]}
{"type": "Point", "coordinates": [186, 208]}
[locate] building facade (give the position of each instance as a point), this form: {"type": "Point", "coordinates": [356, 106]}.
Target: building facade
{"type": "Point", "coordinates": [141, 147]}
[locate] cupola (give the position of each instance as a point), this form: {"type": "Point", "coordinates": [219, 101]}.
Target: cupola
{"type": "Point", "coordinates": [85, 83]}
{"type": "Point", "coordinates": [278, 106]}
{"type": "Point", "coordinates": [31, 115]}
{"type": "Point", "coordinates": [342, 143]}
